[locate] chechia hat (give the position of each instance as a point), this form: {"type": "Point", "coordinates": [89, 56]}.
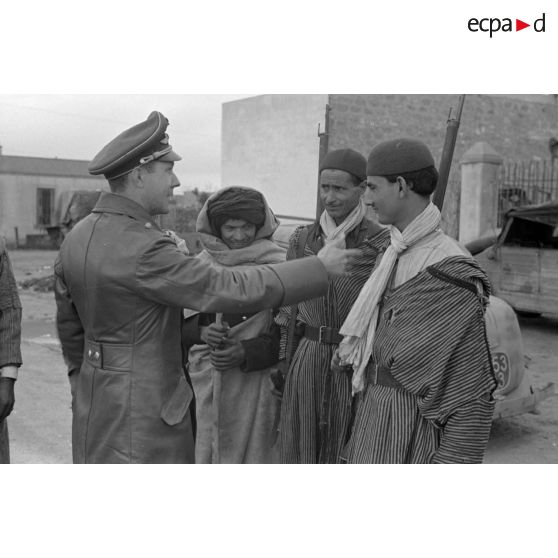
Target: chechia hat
{"type": "Point", "coordinates": [347, 160]}
{"type": "Point", "coordinates": [398, 156]}
{"type": "Point", "coordinates": [140, 144]}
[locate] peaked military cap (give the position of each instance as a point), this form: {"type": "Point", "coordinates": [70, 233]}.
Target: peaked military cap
{"type": "Point", "coordinates": [347, 160]}
{"type": "Point", "coordinates": [139, 145]}
{"type": "Point", "coordinates": [398, 156]}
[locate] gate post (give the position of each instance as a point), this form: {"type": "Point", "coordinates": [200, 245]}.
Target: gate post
{"type": "Point", "coordinates": [478, 213]}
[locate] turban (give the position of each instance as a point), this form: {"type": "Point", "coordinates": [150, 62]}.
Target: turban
{"type": "Point", "coordinates": [236, 203]}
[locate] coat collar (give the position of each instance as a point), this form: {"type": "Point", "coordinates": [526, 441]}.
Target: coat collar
{"type": "Point", "coordinates": [114, 203]}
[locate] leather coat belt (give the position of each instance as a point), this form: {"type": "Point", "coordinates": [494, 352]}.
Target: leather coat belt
{"type": "Point", "coordinates": [322, 334]}
{"type": "Point", "coordinates": [108, 356]}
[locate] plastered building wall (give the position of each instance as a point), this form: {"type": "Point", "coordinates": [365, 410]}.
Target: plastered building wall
{"type": "Point", "coordinates": [270, 142]}
{"type": "Point", "coordinates": [18, 200]}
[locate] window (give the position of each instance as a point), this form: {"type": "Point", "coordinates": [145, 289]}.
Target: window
{"type": "Point", "coordinates": [45, 206]}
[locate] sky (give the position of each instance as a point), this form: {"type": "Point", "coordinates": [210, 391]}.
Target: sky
{"type": "Point", "coordinates": [78, 126]}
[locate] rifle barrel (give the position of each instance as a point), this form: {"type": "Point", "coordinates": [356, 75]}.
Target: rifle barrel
{"type": "Point", "coordinates": [447, 155]}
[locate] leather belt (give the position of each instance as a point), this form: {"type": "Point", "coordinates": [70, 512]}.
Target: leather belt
{"type": "Point", "coordinates": [322, 334]}
{"type": "Point", "coordinates": [381, 376]}
{"type": "Point", "coordinates": [108, 356]}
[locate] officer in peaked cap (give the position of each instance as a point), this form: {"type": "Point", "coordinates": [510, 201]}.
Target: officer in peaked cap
{"type": "Point", "coordinates": [139, 145]}
{"type": "Point", "coordinates": [120, 286]}
{"type": "Point", "coordinates": [134, 156]}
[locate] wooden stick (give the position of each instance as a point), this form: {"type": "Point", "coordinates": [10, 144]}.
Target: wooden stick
{"type": "Point", "coordinates": [4, 443]}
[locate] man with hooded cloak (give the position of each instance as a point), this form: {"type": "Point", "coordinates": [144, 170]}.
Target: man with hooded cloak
{"type": "Point", "coordinates": [231, 356]}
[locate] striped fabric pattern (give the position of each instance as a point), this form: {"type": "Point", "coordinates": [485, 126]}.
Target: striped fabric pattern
{"type": "Point", "coordinates": [378, 438]}
{"type": "Point", "coordinates": [431, 335]}
{"type": "Point", "coordinates": [317, 404]}
{"type": "Point", "coordinates": [10, 314]}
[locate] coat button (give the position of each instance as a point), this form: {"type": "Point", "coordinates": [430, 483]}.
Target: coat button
{"type": "Point", "coordinates": [96, 355]}
{"type": "Point", "coordinates": [148, 226]}
{"type": "Point", "coordinates": [89, 353]}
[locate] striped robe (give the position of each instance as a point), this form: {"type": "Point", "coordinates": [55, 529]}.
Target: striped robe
{"type": "Point", "coordinates": [10, 333]}
{"type": "Point", "coordinates": [431, 338]}
{"type": "Point", "coordinates": [317, 404]}
{"type": "Point", "coordinates": [10, 313]}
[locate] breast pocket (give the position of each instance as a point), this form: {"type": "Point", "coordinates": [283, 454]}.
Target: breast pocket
{"type": "Point", "coordinates": [176, 407]}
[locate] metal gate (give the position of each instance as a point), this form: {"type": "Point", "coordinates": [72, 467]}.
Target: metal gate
{"type": "Point", "coordinates": [526, 183]}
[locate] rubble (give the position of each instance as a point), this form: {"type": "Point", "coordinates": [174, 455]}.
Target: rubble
{"type": "Point", "coordinates": [39, 284]}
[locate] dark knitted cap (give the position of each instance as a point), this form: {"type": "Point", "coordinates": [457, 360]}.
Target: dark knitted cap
{"type": "Point", "coordinates": [347, 160]}
{"type": "Point", "coordinates": [398, 156]}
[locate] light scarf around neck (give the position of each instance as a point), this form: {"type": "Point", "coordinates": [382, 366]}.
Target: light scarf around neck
{"type": "Point", "coordinates": [336, 234]}
{"type": "Point", "coordinates": [260, 252]}
{"type": "Point", "coordinates": [359, 328]}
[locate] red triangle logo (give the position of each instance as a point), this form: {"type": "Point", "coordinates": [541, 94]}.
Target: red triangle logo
{"type": "Point", "coordinates": [519, 25]}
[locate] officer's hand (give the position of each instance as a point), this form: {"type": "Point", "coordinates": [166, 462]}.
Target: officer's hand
{"type": "Point", "coordinates": [215, 335]}
{"type": "Point", "coordinates": [337, 261]}
{"type": "Point", "coordinates": [337, 366]}
{"type": "Point", "coordinates": [7, 398]}
{"type": "Point", "coordinates": [230, 356]}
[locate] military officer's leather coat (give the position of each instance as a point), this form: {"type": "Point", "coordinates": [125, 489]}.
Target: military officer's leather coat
{"type": "Point", "coordinates": [120, 285]}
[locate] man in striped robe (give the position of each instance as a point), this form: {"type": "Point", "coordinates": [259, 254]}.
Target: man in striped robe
{"type": "Point", "coordinates": [316, 406]}
{"type": "Point", "coordinates": [416, 335]}
{"type": "Point", "coordinates": [10, 350]}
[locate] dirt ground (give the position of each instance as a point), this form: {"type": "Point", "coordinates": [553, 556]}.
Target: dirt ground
{"type": "Point", "coordinates": [40, 426]}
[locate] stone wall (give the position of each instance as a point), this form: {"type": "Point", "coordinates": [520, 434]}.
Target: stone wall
{"type": "Point", "coordinates": [516, 126]}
